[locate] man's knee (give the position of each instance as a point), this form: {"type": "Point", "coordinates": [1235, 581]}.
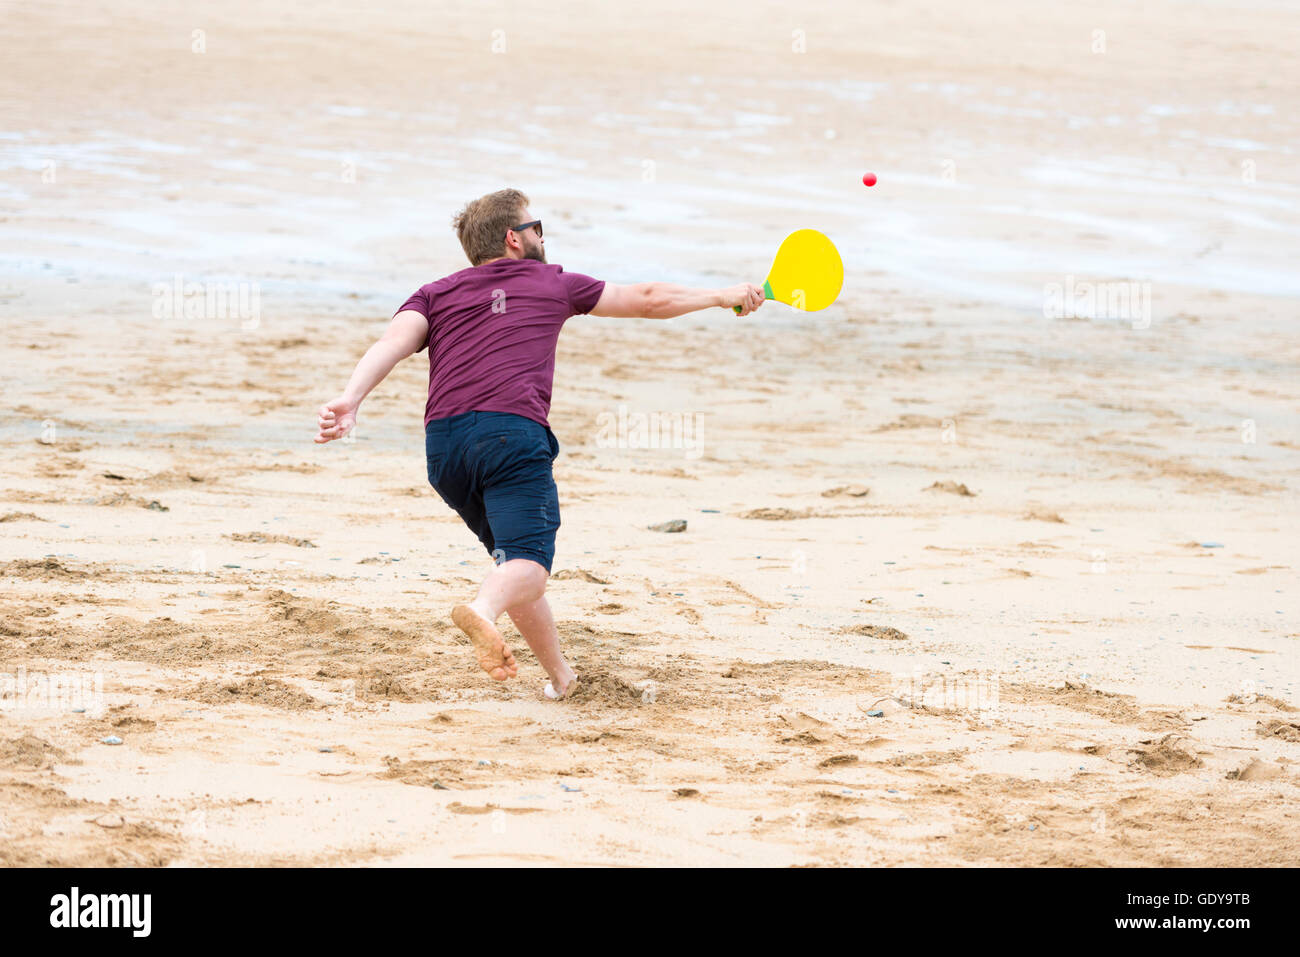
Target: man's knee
{"type": "Point", "coordinates": [525, 567]}
{"type": "Point", "coordinates": [525, 612]}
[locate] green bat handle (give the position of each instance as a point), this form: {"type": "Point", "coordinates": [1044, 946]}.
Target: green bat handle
{"type": "Point", "coordinates": [767, 294]}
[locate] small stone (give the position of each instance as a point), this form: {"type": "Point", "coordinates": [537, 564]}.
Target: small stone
{"type": "Point", "coordinates": [109, 820]}
{"type": "Point", "coordinates": [875, 714]}
{"type": "Point", "coordinates": [111, 739]}
{"type": "Point", "coordinates": [675, 525]}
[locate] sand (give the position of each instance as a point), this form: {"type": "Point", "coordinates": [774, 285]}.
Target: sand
{"type": "Point", "coordinates": [967, 577]}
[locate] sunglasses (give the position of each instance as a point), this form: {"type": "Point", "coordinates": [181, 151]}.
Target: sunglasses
{"type": "Point", "coordinates": [522, 226]}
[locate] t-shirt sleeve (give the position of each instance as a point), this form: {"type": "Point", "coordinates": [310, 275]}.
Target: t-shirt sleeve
{"type": "Point", "coordinates": [419, 302]}
{"type": "Point", "coordinates": [583, 291]}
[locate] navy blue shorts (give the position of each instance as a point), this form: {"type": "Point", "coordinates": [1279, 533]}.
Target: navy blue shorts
{"type": "Point", "coordinates": [494, 469]}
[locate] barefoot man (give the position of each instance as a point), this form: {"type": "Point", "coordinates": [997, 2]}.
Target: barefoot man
{"type": "Point", "coordinates": [491, 332]}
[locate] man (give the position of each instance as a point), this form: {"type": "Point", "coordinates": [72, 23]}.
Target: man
{"type": "Point", "coordinates": [491, 332]}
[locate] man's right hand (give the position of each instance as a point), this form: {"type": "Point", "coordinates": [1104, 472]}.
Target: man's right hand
{"type": "Point", "coordinates": [336, 419]}
{"type": "Point", "coordinates": [747, 296]}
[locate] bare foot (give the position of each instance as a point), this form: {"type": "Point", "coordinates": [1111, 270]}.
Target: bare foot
{"type": "Point", "coordinates": [489, 647]}
{"type": "Point", "coordinates": [552, 694]}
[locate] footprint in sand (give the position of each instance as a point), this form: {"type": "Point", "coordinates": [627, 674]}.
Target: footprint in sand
{"type": "Point", "coordinates": [1167, 756]}
{"type": "Point", "coordinates": [1257, 770]}
{"type": "Point", "coordinates": [851, 491]}
{"type": "Point", "coordinates": [956, 488]}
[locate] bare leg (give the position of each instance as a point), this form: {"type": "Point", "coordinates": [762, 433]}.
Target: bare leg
{"type": "Point", "coordinates": [536, 623]}
{"type": "Point", "coordinates": [507, 584]}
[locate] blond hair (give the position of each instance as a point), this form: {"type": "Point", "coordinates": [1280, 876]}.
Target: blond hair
{"type": "Point", "coordinates": [482, 224]}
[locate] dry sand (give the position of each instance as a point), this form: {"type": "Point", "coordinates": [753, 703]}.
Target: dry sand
{"type": "Point", "coordinates": [1057, 554]}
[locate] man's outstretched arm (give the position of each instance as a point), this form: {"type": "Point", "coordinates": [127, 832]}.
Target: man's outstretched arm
{"type": "Point", "coordinates": [662, 300]}
{"type": "Point", "coordinates": [405, 335]}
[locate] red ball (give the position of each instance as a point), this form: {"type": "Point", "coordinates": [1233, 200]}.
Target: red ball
{"type": "Point", "coordinates": [869, 179]}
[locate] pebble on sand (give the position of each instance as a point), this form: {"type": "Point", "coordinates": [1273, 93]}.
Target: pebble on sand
{"type": "Point", "coordinates": [675, 525]}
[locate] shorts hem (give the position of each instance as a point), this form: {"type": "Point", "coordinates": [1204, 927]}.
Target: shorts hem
{"type": "Point", "coordinates": [508, 554]}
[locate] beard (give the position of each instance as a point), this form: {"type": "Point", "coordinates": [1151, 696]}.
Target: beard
{"type": "Point", "coordinates": [535, 251]}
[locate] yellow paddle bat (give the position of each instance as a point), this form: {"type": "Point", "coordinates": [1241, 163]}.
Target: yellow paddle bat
{"type": "Point", "coordinates": [807, 272]}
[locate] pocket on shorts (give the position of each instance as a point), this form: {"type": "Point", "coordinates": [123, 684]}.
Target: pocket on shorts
{"type": "Point", "coordinates": [435, 455]}
{"type": "Point", "coordinates": [490, 447]}
{"type": "Point", "coordinates": [502, 453]}
{"type": "Point", "coordinates": [517, 435]}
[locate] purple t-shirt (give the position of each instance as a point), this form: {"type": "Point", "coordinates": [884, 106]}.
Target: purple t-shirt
{"type": "Point", "coordinates": [492, 335]}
